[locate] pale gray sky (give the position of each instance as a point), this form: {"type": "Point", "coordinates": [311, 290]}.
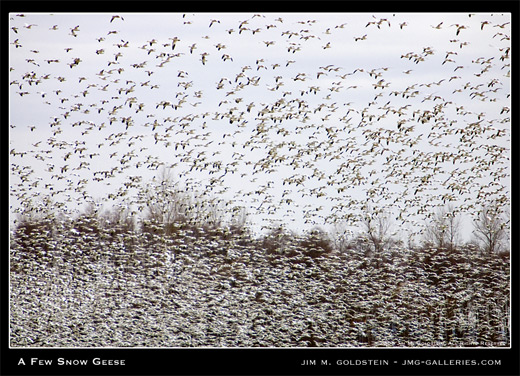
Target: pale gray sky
{"type": "Point", "coordinates": [314, 116]}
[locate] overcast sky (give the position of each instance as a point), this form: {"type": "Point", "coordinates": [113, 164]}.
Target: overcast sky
{"type": "Point", "coordinates": [303, 119]}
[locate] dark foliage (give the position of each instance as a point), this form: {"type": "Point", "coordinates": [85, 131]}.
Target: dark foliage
{"type": "Point", "coordinates": [88, 282]}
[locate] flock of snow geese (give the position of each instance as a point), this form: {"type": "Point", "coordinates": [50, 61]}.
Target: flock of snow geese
{"type": "Point", "coordinates": [307, 118]}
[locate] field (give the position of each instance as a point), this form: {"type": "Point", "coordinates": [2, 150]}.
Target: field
{"type": "Point", "coordinates": [77, 284]}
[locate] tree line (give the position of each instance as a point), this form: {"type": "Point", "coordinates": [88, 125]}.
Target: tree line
{"type": "Point", "coordinates": [167, 208]}
{"type": "Point", "coordinates": [383, 292]}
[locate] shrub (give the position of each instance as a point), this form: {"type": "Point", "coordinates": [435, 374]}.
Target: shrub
{"type": "Point", "coordinates": [275, 240]}
{"type": "Point", "coordinates": [317, 243]}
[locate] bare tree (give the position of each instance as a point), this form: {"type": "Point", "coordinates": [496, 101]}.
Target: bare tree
{"type": "Point", "coordinates": [377, 227]}
{"type": "Point", "coordinates": [490, 228]}
{"type": "Point", "coordinates": [340, 236]}
{"type": "Point", "coordinates": [238, 221]}
{"type": "Point", "coordinates": [165, 203]}
{"type": "Point", "coordinates": [118, 218]}
{"type": "Point", "coordinates": [444, 229]}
